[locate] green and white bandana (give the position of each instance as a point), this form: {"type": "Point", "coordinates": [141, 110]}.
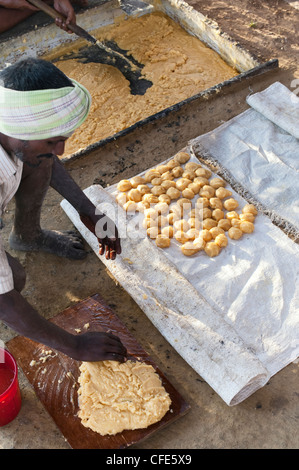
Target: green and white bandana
{"type": "Point", "coordinates": [43, 114]}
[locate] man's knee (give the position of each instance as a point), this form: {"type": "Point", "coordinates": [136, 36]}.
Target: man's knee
{"type": "Point", "coordinates": [18, 272]}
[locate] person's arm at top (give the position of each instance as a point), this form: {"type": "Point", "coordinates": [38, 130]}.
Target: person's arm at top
{"type": "Point", "coordinates": [62, 6]}
{"type": "Point", "coordinates": [65, 8]}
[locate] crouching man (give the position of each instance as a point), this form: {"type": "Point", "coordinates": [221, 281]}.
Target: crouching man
{"type": "Point", "coordinates": [40, 108]}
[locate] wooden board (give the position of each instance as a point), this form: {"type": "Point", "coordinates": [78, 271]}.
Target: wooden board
{"type": "Point", "coordinates": [54, 376]}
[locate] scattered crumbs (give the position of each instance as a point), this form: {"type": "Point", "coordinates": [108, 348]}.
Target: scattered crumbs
{"type": "Point", "coordinates": [59, 381]}
{"type": "Point", "coordinates": [43, 359]}
{"type": "Point", "coordinates": [86, 326]}
{"type": "Point", "coordinates": [175, 340]}
{"type": "Point", "coordinates": [47, 355]}
{"type": "Point", "coordinates": [128, 260]}
{"type": "Point", "coordinates": [144, 296]}
{"type": "Point", "coordinates": [44, 370]}
{"type": "Point", "coordinates": [70, 375]}
{"type": "Point", "coordinates": [78, 330]}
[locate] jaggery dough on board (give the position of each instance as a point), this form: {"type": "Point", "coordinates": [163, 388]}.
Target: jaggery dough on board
{"type": "Point", "coordinates": [115, 396]}
{"type": "Point", "coordinates": [178, 64]}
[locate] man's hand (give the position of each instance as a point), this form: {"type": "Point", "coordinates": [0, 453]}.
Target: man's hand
{"type": "Point", "coordinates": [17, 5]}
{"type": "Point", "coordinates": [98, 346]}
{"type": "Point", "coordinates": [106, 232]}
{"type": "Point", "coordinates": [19, 315]}
{"type": "Point", "coordinates": [99, 224]}
{"type": "Point", "coordinates": [65, 8]}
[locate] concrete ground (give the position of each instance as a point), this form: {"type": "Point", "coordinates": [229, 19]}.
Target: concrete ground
{"type": "Point", "coordinates": [269, 418]}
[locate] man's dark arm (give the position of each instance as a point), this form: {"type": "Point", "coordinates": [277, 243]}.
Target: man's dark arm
{"type": "Point", "coordinates": [64, 184]}
{"type": "Point", "coordinates": [19, 315]}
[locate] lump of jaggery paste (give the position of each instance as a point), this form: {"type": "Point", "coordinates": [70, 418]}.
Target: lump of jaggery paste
{"type": "Point", "coordinates": [114, 396]}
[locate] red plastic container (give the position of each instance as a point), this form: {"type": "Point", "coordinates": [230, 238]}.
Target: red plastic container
{"type": "Point", "coordinates": [10, 396]}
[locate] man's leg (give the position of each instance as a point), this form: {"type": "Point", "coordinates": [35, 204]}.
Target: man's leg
{"type": "Point", "coordinates": [27, 234]}
{"type": "Point", "coordinates": [18, 272]}
{"type": "Point", "coordinates": [10, 18]}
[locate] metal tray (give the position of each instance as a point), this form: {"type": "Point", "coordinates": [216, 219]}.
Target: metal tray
{"type": "Point", "coordinates": [40, 39]}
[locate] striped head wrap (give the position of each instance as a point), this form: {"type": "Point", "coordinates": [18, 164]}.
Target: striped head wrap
{"type": "Point", "coordinates": [43, 114]}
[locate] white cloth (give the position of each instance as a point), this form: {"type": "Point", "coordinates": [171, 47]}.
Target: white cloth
{"type": "Point", "coordinates": [10, 177]}
{"type": "Point", "coordinates": [278, 104]}
{"type": "Point", "coordinates": [233, 318]}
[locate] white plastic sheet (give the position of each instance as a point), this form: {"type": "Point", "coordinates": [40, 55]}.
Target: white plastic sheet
{"type": "Point", "coordinates": [258, 154]}
{"type": "Point", "coordinates": [233, 318]}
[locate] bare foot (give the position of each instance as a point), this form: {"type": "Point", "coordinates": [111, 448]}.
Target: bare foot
{"type": "Point", "coordinates": [65, 244]}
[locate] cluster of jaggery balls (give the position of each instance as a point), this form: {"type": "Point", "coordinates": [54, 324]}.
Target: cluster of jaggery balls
{"type": "Point", "coordinates": [164, 195]}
